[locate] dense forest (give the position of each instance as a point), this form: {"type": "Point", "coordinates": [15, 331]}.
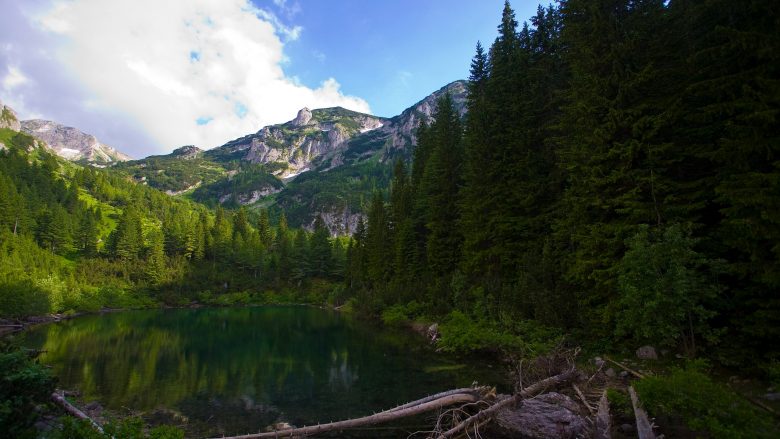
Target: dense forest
{"type": "Point", "coordinates": [80, 238]}
{"type": "Point", "coordinates": [617, 177]}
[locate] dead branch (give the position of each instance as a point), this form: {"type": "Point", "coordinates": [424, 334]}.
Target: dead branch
{"type": "Point", "coordinates": [483, 390]}
{"type": "Point", "coordinates": [643, 427]}
{"type": "Point", "coordinates": [472, 395]}
{"type": "Point", "coordinates": [632, 371]}
{"type": "Point", "coordinates": [492, 410]}
{"type": "Point", "coordinates": [584, 400]}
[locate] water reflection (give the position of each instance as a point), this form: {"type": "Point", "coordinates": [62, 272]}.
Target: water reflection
{"type": "Point", "coordinates": [237, 370]}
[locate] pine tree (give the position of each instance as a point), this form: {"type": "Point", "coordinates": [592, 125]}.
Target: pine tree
{"type": "Point", "coordinates": [320, 251]}
{"type": "Point", "coordinates": [264, 228]}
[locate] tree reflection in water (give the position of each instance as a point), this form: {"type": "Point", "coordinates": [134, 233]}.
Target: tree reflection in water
{"type": "Point", "coordinates": [234, 370]}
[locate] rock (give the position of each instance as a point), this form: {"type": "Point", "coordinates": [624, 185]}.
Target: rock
{"type": "Point", "coordinates": [599, 362]}
{"type": "Point", "coordinates": [623, 374]}
{"type": "Point", "coordinates": [433, 332]}
{"type": "Point", "coordinates": [646, 353]}
{"type": "Point", "coordinates": [8, 118]}
{"type": "Point", "coordinates": [303, 117]}
{"type": "Point", "coordinates": [94, 406]}
{"type": "Point", "coordinates": [610, 373]}
{"type": "Point", "coordinates": [72, 144]}
{"type": "Point", "coordinates": [772, 396]}
{"type": "Point", "coordinates": [627, 428]}
{"type": "Point", "coordinates": [551, 415]}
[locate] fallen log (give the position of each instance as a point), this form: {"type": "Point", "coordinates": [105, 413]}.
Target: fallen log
{"type": "Point", "coordinates": [472, 395]}
{"type": "Point", "coordinates": [643, 427]}
{"type": "Point", "coordinates": [73, 410]}
{"type": "Point", "coordinates": [482, 390]}
{"type": "Point", "coordinates": [603, 422]}
{"type": "Point", "coordinates": [489, 412]}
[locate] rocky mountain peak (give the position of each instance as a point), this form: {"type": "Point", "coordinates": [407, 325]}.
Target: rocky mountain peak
{"type": "Point", "coordinates": [72, 144]}
{"type": "Point", "coordinates": [303, 117]}
{"type": "Point", "coordinates": [8, 118]}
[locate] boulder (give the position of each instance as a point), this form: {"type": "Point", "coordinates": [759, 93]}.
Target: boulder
{"type": "Point", "coordinates": [551, 415]}
{"type": "Point", "coordinates": [646, 353]}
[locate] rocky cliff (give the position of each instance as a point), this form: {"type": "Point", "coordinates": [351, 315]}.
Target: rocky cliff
{"type": "Point", "coordinates": [72, 144]}
{"type": "Point", "coordinates": [8, 118]}
{"type": "Point", "coordinates": [296, 145]}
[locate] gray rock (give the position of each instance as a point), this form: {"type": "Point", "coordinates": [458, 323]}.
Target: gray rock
{"type": "Point", "coordinates": [646, 353]}
{"type": "Point", "coordinates": [72, 144]}
{"type": "Point", "coordinates": [772, 396]}
{"type": "Point", "coordinates": [303, 117]}
{"type": "Point", "coordinates": [627, 428]}
{"type": "Point", "coordinates": [599, 362]}
{"type": "Point", "coordinates": [8, 118]}
{"type": "Point", "coordinates": [623, 374]}
{"type": "Point", "coordinates": [551, 415]}
{"type": "Point", "coordinates": [610, 373]}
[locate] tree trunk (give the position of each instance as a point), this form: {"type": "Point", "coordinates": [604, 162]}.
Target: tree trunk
{"type": "Point", "coordinates": [471, 395]}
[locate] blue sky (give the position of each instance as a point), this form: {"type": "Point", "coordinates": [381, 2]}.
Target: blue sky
{"type": "Point", "coordinates": [147, 76]}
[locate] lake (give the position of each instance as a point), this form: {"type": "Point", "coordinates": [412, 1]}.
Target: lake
{"type": "Point", "coordinates": [237, 370]}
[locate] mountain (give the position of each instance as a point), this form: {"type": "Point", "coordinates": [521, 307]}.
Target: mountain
{"type": "Point", "coordinates": [8, 118]}
{"type": "Point", "coordinates": [72, 144]}
{"type": "Point", "coordinates": [324, 162]}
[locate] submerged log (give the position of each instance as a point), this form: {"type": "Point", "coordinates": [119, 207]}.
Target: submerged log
{"type": "Point", "coordinates": [468, 396]}
{"type": "Point", "coordinates": [74, 411]}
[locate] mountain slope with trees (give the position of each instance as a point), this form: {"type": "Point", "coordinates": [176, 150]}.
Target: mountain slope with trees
{"type": "Point", "coordinates": [617, 177]}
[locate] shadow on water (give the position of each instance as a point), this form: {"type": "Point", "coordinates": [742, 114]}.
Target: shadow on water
{"type": "Point", "coordinates": [236, 370]}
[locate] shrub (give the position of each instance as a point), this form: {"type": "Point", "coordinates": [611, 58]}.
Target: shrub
{"type": "Point", "coordinates": [24, 384]}
{"type": "Point", "coordinates": [690, 395]}
{"type": "Point", "coordinates": [23, 298]}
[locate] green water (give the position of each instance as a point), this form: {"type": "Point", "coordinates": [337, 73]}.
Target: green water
{"type": "Point", "coordinates": [237, 370]}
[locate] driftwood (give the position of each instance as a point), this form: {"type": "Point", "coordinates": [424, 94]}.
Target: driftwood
{"type": "Point", "coordinates": [73, 410]}
{"type": "Point", "coordinates": [467, 396]}
{"type": "Point", "coordinates": [584, 400]}
{"type": "Point", "coordinates": [643, 427]}
{"type": "Point", "coordinates": [491, 411]}
{"type": "Point", "coordinates": [632, 371]}
{"type": "Point", "coordinates": [483, 390]}
{"type": "Point", "coordinates": [603, 423]}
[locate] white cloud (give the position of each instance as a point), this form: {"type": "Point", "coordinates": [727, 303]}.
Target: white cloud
{"type": "Point", "coordinates": [173, 65]}
{"type": "Point", "coordinates": [14, 78]}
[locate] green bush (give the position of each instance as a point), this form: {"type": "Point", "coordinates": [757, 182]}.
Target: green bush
{"type": "Point", "coordinates": [24, 384]}
{"type": "Point", "coordinates": [461, 333]}
{"type": "Point", "coordinates": [399, 315]}
{"type": "Point", "coordinates": [23, 298]}
{"type": "Point", "coordinates": [130, 428]}
{"type": "Point", "coordinates": [704, 406]}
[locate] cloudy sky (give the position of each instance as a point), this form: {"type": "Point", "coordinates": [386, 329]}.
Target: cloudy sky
{"type": "Point", "coordinates": [147, 76]}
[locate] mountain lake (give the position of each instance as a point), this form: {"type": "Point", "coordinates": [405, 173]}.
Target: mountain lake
{"type": "Point", "coordinates": [229, 371]}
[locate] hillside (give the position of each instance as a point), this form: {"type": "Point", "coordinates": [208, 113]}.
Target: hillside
{"type": "Point", "coordinates": [324, 162]}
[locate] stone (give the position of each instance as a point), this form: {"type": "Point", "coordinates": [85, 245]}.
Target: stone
{"type": "Point", "coordinates": [303, 117]}
{"type": "Point", "coordinates": [772, 396]}
{"type": "Point", "coordinates": [72, 144]}
{"type": "Point", "coordinates": [646, 353]}
{"type": "Point", "coordinates": [599, 362]}
{"type": "Point", "coordinates": [623, 374]}
{"type": "Point", "coordinates": [610, 373]}
{"type": "Point", "coordinates": [8, 118]}
{"type": "Point", "coordinates": [627, 428]}
{"type": "Point", "coordinates": [551, 415]}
